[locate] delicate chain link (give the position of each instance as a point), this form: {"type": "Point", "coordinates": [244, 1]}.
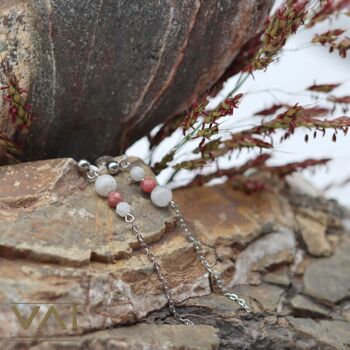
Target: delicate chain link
{"type": "Point", "coordinates": [156, 267]}
{"type": "Point", "coordinates": [93, 173]}
{"type": "Point", "coordinates": [198, 247]}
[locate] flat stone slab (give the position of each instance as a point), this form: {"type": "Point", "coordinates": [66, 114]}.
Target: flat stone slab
{"type": "Point", "coordinates": [222, 215]}
{"type": "Point", "coordinates": [331, 334]}
{"type": "Point", "coordinates": [50, 213]}
{"type": "Point", "coordinates": [329, 279]}
{"type": "Point", "coordinates": [140, 337]}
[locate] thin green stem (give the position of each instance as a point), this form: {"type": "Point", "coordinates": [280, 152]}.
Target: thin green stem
{"type": "Point", "coordinates": [241, 80]}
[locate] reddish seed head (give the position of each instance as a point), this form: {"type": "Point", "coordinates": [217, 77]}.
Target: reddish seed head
{"type": "Point", "coordinates": [148, 184]}
{"type": "Point", "coordinates": [114, 198]}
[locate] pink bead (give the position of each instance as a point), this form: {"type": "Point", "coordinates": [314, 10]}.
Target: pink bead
{"type": "Point", "coordinates": [148, 184]}
{"type": "Point", "coordinates": [114, 198]}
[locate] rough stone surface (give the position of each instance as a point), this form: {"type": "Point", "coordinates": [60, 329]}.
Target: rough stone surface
{"type": "Point", "coordinates": [279, 277]}
{"type": "Point", "coordinates": [313, 226]}
{"type": "Point", "coordinates": [329, 279]}
{"type": "Point", "coordinates": [61, 244]}
{"type": "Point", "coordinates": [140, 337]}
{"type": "Point", "coordinates": [122, 66]}
{"type": "Point", "coordinates": [330, 334]}
{"type": "Point", "coordinates": [269, 250]}
{"type": "Point", "coordinates": [304, 305]}
{"type": "Point", "coordinates": [237, 219]}
{"type": "Point", "coordinates": [36, 198]}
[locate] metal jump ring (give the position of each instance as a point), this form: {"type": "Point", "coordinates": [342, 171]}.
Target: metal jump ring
{"type": "Point", "coordinates": [129, 218]}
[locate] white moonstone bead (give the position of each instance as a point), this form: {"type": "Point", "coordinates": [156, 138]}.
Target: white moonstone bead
{"type": "Point", "coordinates": [105, 184]}
{"type": "Point", "coordinates": [137, 173]}
{"type": "Point", "coordinates": [123, 209]}
{"type": "Point", "coordinates": [161, 196]}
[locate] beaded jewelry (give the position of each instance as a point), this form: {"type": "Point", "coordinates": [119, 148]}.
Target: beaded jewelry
{"type": "Point", "coordinates": [161, 196]}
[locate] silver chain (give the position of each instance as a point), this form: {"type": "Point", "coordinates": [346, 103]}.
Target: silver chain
{"type": "Point", "coordinates": [198, 247]}
{"type": "Point", "coordinates": [125, 164]}
{"type": "Point", "coordinates": [156, 267]}
{"type": "Point", "coordinates": [93, 173]}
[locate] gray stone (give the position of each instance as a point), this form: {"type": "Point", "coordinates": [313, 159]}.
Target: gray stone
{"type": "Point", "coordinates": [334, 334]}
{"type": "Point", "coordinates": [299, 184]}
{"type": "Point", "coordinates": [279, 277]}
{"type": "Point", "coordinates": [269, 250]}
{"type": "Point", "coordinates": [139, 337]}
{"type": "Point", "coordinates": [303, 305]}
{"type": "Point", "coordinates": [264, 298]}
{"type": "Point", "coordinates": [328, 279]}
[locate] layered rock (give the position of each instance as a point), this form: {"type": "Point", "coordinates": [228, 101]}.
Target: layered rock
{"type": "Point", "coordinates": [110, 71]}
{"type": "Point", "coordinates": [61, 244]}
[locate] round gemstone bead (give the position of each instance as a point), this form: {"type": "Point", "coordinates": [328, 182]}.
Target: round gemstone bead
{"type": "Point", "coordinates": [105, 184]}
{"type": "Point", "coordinates": [161, 196]}
{"type": "Point", "coordinates": [123, 209]}
{"type": "Point", "coordinates": [114, 198]}
{"type": "Point", "coordinates": [148, 184]}
{"type": "Point", "coordinates": [137, 173]}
